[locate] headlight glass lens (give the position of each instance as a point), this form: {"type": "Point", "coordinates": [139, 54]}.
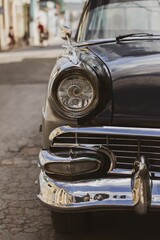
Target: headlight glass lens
{"type": "Point", "coordinates": [76, 93]}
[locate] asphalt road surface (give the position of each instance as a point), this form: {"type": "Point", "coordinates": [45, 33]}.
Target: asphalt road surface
{"type": "Point", "coordinates": [23, 83]}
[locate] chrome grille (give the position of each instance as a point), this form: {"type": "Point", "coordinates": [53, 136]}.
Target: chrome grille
{"type": "Point", "coordinates": [126, 149]}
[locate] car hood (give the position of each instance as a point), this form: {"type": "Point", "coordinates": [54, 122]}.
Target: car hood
{"type": "Point", "coordinates": [135, 72]}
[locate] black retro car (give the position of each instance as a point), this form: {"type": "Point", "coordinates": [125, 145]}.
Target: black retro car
{"type": "Point", "coordinates": [101, 119]}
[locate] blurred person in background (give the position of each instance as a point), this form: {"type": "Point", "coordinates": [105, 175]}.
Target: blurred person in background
{"type": "Point", "coordinates": [11, 36]}
{"type": "Point", "coordinates": [41, 32]}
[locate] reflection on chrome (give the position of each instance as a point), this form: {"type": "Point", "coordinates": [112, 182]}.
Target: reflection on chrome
{"type": "Point", "coordinates": [141, 186]}
{"type": "Point", "coordinates": [92, 194]}
{"type": "Point", "coordinates": [52, 194]}
{"type": "Point", "coordinates": [85, 194]}
{"type": "Point", "coordinates": [123, 131]}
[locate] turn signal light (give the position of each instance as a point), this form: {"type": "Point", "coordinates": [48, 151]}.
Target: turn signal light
{"type": "Point", "coordinates": [72, 168]}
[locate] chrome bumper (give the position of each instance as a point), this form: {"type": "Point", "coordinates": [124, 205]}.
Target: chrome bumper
{"type": "Point", "coordinates": [85, 195]}
{"type": "Point", "coordinates": [139, 191]}
{"type": "Point", "coordinates": [89, 195]}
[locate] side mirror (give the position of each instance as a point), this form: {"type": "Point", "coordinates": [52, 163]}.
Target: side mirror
{"type": "Point", "coordinates": [66, 33]}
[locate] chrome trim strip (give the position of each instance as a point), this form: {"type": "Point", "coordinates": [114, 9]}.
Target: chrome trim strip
{"type": "Point", "coordinates": [48, 157]}
{"type": "Point", "coordinates": [123, 131]}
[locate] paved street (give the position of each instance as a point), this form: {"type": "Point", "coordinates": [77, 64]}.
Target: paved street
{"type": "Point", "coordinates": [23, 82]}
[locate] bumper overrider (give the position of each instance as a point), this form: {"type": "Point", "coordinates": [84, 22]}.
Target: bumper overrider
{"type": "Point", "coordinates": [77, 177]}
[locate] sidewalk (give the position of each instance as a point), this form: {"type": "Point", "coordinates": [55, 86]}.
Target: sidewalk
{"type": "Point", "coordinates": [53, 43]}
{"type": "Point", "coordinates": [27, 52]}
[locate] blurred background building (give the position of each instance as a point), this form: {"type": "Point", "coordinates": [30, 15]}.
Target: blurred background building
{"type": "Point", "coordinates": [24, 16]}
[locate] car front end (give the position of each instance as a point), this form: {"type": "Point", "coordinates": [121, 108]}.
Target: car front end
{"type": "Point", "coordinates": [101, 120]}
{"type": "Point", "coordinates": [101, 168]}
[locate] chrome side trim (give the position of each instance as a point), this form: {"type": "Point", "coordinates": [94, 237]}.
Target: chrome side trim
{"type": "Point", "coordinates": [123, 131]}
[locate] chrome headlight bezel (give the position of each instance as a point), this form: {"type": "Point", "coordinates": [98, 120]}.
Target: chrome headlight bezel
{"type": "Point", "coordinates": [89, 80]}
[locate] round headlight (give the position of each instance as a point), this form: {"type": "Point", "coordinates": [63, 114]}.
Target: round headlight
{"type": "Point", "coordinates": [76, 95]}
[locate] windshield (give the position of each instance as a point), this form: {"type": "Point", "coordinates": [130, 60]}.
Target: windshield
{"type": "Point", "coordinates": [108, 19]}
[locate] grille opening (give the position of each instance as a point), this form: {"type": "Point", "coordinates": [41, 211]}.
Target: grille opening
{"type": "Point", "coordinates": [126, 148]}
